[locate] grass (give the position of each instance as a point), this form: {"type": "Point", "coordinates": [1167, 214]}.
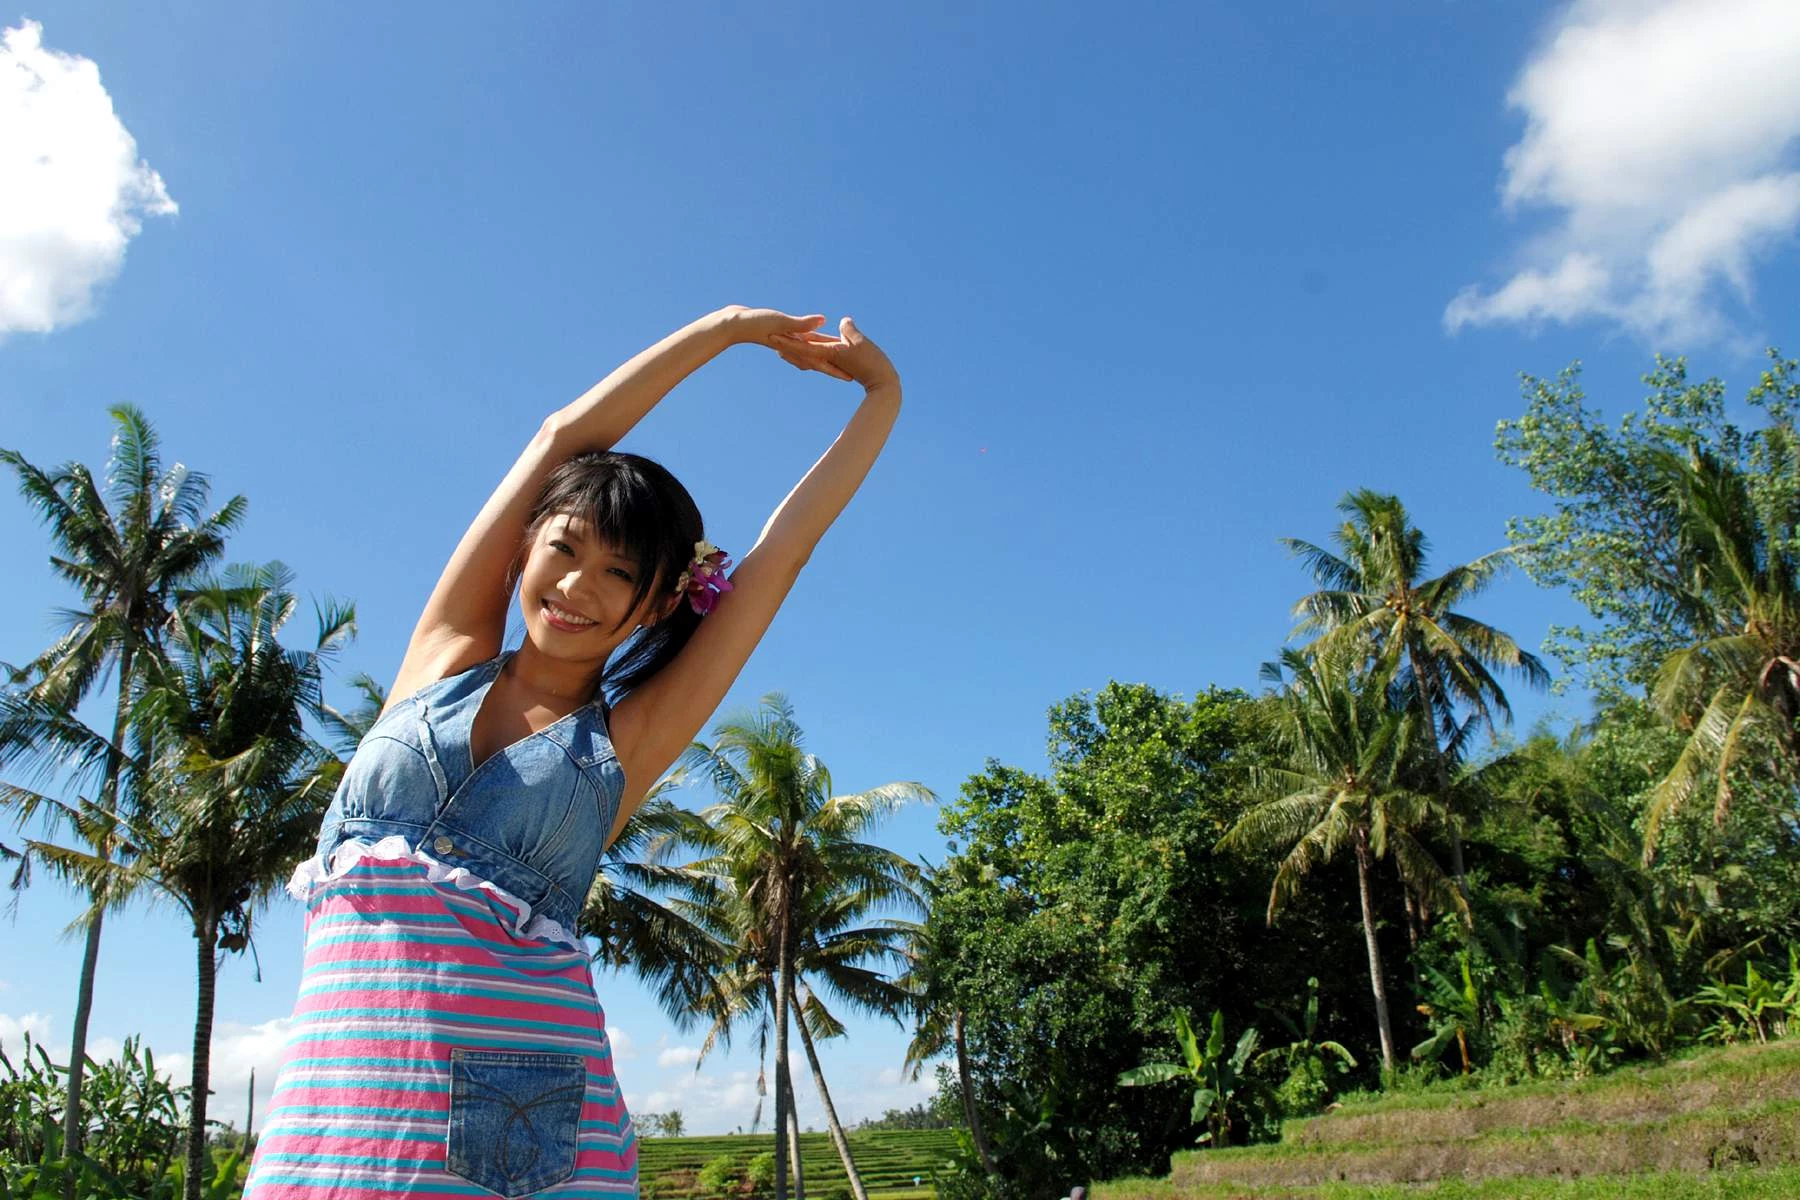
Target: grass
{"type": "Point", "coordinates": [1720, 1123]}
{"type": "Point", "coordinates": [887, 1159]}
{"type": "Point", "coordinates": [1778, 1183]}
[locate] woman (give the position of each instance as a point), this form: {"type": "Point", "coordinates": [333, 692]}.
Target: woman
{"type": "Point", "coordinates": [447, 1040]}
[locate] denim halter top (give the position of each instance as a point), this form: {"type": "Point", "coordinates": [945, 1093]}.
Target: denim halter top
{"type": "Point", "coordinates": [532, 819]}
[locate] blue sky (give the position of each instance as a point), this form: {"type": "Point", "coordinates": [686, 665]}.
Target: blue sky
{"type": "Point", "coordinates": [1162, 283]}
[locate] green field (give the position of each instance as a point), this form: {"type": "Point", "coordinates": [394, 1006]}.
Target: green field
{"type": "Point", "coordinates": [888, 1161]}
{"type": "Point", "coordinates": [1720, 1124]}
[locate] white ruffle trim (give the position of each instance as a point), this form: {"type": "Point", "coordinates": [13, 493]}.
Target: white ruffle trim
{"type": "Point", "coordinates": [394, 846]}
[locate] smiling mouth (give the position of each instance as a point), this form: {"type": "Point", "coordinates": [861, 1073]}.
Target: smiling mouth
{"type": "Point", "coordinates": [558, 623]}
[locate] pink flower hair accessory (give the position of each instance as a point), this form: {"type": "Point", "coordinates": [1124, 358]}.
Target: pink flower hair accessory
{"type": "Point", "coordinates": [703, 579]}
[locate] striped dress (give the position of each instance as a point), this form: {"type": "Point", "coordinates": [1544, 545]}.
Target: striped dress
{"type": "Point", "coordinates": [408, 961]}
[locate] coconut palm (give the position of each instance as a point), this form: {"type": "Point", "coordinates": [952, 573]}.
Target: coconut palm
{"type": "Point", "coordinates": [1740, 683]}
{"type": "Point", "coordinates": [785, 878]}
{"type": "Point", "coordinates": [1344, 747]}
{"type": "Point", "coordinates": [231, 789]}
{"type": "Point", "coordinates": [1372, 594]}
{"type": "Point", "coordinates": [834, 950]}
{"type": "Point", "coordinates": [636, 930]}
{"type": "Point", "coordinates": [346, 730]}
{"type": "Point", "coordinates": [128, 562]}
{"type": "Point", "coordinates": [939, 1016]}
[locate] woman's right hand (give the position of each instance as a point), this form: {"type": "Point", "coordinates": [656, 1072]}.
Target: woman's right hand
{"type": "Point", "coordinates": [770, 327]}
{"type": "Point", "coordinates": [850, 355]}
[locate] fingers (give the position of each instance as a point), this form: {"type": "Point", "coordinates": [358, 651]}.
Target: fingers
{"type": "Point", "coordinates": [812, 363]}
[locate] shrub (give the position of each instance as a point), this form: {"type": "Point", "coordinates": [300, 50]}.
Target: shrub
{"type": "Point", "coordinates": [717, 1178]}
{"type": "Point", "coordinates": [760, 1173]}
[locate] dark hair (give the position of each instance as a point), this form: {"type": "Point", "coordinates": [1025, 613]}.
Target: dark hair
{"type": "Point", "coordinates": [635, 504]}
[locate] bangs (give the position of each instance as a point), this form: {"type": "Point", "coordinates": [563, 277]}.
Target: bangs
{"type": "Point", "coordinates": [625, 517]}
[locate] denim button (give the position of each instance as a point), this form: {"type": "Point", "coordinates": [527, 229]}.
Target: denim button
{"type": "Point", "coordinates": [515, 1118]}
{"type": "Point", "coordinates": [443, 845]}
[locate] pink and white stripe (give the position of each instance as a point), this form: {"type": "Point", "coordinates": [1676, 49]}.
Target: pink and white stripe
{"type": "Point", "coordinates": [403, 963]}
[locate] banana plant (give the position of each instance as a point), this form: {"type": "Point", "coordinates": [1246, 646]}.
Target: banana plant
{"type": "Point", "coordinates": [1304, 1049]}
{"type": "Point", "coordinates": [1306, 1062]}
{"type": "Point", "coordinates": [1760, 1006]}
{"type": "Point", "coordinates": [1454, 1012]}
{"type": "Point", "coordinates": [1216, 1079]}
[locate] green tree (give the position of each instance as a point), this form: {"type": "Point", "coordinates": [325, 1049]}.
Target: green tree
{"type": "Point", "coordinates": [1373, 594]}
{"type": "Point", "coordinates": [129, 563]}
{"type": "Point", "coordinates": [1615, 537]}
{"type": "Point", "coordinates": [231, 790]}
{"type": "Point", "coordinates": [1339, 786]}
{"type": "Point", "coordinates": [1070, 910]}
{"type": "Point", "coordinates": [784, 877]}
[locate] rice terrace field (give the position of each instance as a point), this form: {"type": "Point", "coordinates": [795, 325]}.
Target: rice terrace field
{"type": "Point", "coordinates": [888, 1159]}
{"type": "Point", "coordinates": [1722, 1124]}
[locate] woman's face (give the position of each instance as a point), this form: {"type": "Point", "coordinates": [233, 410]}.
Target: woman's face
{"type": "Point", "coordinates": [589, 581]}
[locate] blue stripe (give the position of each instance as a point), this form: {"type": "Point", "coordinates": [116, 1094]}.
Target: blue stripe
{"type": "Point", "coordinates": [394, 1185]}
{"type": "Point", "coordinates": [411, 986]}
{"type": "Point", "coordinates": [375, 937]}
{"type": "Point", "coordinates": [438, 966]}
{"type": "Point", "coordinates": [338, 1062]}
{"type": "Point", "coordinates": [461, 1018]}
{"type": "Point", "coordinates": [429, 1035]}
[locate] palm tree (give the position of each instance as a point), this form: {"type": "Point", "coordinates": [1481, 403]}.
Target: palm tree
{"type": "Point", "coordinates": [127, 562]}
{"type": "Point", "coordinates": [836, 949]}
{"type": "Point", "coordinates": [1741, 681]}
{"type": "Point", "coordinates": [940, 1019]}
{"type": "Point", "coordinates": [346, 730]}
{"type": "Point", "coordinates": [784, 877]}
{"type": "Point", "coordinates": [232, 789]}
{"type": "Point", "coordinates": [637, 931]}
{"type": "Point", "coordinates": [1373, 595]}
{"type": "Point", "coordinates": [1345, 746]}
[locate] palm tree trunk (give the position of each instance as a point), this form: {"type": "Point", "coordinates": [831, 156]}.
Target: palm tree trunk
{"type": "Point", "coordinates": [1429, 704]}
{"type": "Point", "coordinates": [1413, 923]}
{"type": "Point", "coordinates": [73, 1126]}
{"type": "Point", "coordinates": [782, 1098]}
{"type": "Point", "coordinates": [1376, 982]}
{"type": "Point", "coordinates": [968, 1093]}
{"type": "Point", "coordinates": [206, 935]}
{"type": "Point", "coordinates": [831, 1117]}
{"type": "Point", "coordinates": [793, 1136]}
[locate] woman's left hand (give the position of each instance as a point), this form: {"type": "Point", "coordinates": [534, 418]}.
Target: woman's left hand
{"type": "Point", "coordinates": [766, 327]}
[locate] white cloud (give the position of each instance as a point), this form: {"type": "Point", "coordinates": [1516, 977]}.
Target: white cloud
{"type": "Point", "coordinates": [75, 192]}
{"type": "Point", "coordinates": [624, 1048]}
{"type": "Point", "coordinates": [678, 1056]}
{"type": "Point", "coordinates": [236, 1051]}
{"type": "Point", "coordinates": [726, 1100]}
{"type": "Point", "coordinates": [1661, 134]}
{"type": "Point", "coordinates": [711, 1102]}
{"type": "Point", "coordinates": [14, 1029]}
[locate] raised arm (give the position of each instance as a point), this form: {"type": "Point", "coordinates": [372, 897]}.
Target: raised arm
{"type": "Point", "coordinates": [464, 619]}
{"type": "Point", "coordinates": [660, 718]}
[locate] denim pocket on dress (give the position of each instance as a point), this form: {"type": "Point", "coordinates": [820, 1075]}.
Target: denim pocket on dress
{"type": "Point", "coordinates": [515, 1118]}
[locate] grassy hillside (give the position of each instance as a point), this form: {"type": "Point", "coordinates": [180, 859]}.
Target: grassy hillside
{"type": "Point", "coordinates": [1720, 1124]}
{"type": "Point", "coordinates": [888, 1160]}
